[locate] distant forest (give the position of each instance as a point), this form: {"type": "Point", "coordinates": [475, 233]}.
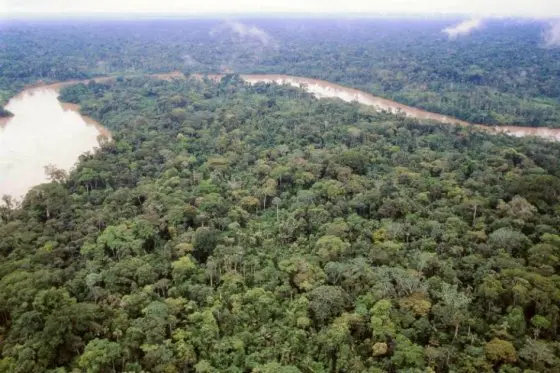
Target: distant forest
{"type": "Point", "coordinates": [500, 74]}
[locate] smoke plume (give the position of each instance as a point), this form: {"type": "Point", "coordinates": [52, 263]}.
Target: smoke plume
{"type": "Point", "coordinates": [463, 28]}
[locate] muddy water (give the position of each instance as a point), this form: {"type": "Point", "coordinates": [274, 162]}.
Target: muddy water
{"type": "Point", "coordinates": [42, 131]}
{"type": "Point", "coordinates": [323, 89]}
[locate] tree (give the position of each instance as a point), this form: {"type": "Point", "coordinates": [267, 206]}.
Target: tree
{"type": "Point", "coordinates": [276, 202]}
{"type": "Point", "coordinates": [205, 241]}
{"type": "Point", "coordinates": [381, 323]}
{"type": "Point", "coordinates": [518, 208]}
{"type": "Point", "coordinates": [509, 240]}
{"type": "Point", "coordinates": [276, 368]}
{"type": "Point", "coordinates": [120, 240]}
{"type": "Point", "coordinates": [182, 269]}
{"type": "Point", "coordinates": [452, 310]}
{"type": "Point", "coordinates": [55, 174]}
{"type": "Point", "coordinates": [407, 354]}
{"type": "Point", "coordinates": [326, 303]}
{"type": "Point", "coordinates": [500, 351]}
{"type": "Point", "coordinates": [46, 201]}
{"type": "Point", "coordinates": [538, 354]}
{"type": "Point", "coordinates": [100, 355]}
{"type": "Point", "coordinates": [330, 248]}
{"type": "Point", "coordinates": [178, 115]}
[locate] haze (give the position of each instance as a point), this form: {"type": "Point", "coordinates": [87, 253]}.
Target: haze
{"type": "Point", "coordinates": [496, 8]}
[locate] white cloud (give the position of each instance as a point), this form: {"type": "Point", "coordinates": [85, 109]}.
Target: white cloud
{"type": "Point", "coordinates": [244, 32]}
{"type": "Point", "coordinates": [463, 28]}
{"type": "Point", "coordinates": [552, 35]}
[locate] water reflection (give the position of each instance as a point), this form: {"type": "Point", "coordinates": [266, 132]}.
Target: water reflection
{"type": "Point", "coordinates": [41, 132]}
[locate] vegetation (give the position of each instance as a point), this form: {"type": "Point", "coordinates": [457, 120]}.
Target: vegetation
{"type": "Point", "coordinates": [234, 228]}
{"type": "Point", "coordinates": [4, 113]}
{"type": "Point", "coordinates": [499, 75]}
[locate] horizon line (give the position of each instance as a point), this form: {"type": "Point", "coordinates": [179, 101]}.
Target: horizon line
{"type": "Point", "coordinates": [101, 15]}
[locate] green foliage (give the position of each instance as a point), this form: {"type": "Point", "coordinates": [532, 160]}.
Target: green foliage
{"type": "Point", "coordinates": [498, 350]}
{"type": "Point", "coordinates": [251, 237]}
{"type": "Point", "coordinates": [276, 368]}
{"type": "Point", "coordinates": [99, 355]}
{"type": "Point", "coordinates": [326, 302]}
{"type": "Point", "coordinates": [407, 355]}
{"type": "Point", "coordinates": [330, 248]}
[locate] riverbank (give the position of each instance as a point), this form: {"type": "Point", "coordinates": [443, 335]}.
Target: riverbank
{"type": "Point", "coordinates": [325, 89]}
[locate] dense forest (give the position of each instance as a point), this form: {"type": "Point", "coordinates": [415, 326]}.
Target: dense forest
{"type": "Point", "coordinates": [235, 228]}
{"type": "Point", "coordinates": [502, 74]}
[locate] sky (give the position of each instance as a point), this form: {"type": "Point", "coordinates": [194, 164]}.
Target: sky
{"type": "Point", "coordinates": [472, 8]}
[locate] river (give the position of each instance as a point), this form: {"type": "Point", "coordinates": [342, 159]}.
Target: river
{"type": "Point", "coordinates": [45, 131]}
{"type": "Point", "coordinates": [324, 89]}
{"type": "Point", "coordinates": [42, 132]}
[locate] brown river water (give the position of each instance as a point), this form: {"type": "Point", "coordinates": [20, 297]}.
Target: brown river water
{"type": "Point", "coordinates": [45, 131]}
{"type": "Point", "coordinates": [324, 89]}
